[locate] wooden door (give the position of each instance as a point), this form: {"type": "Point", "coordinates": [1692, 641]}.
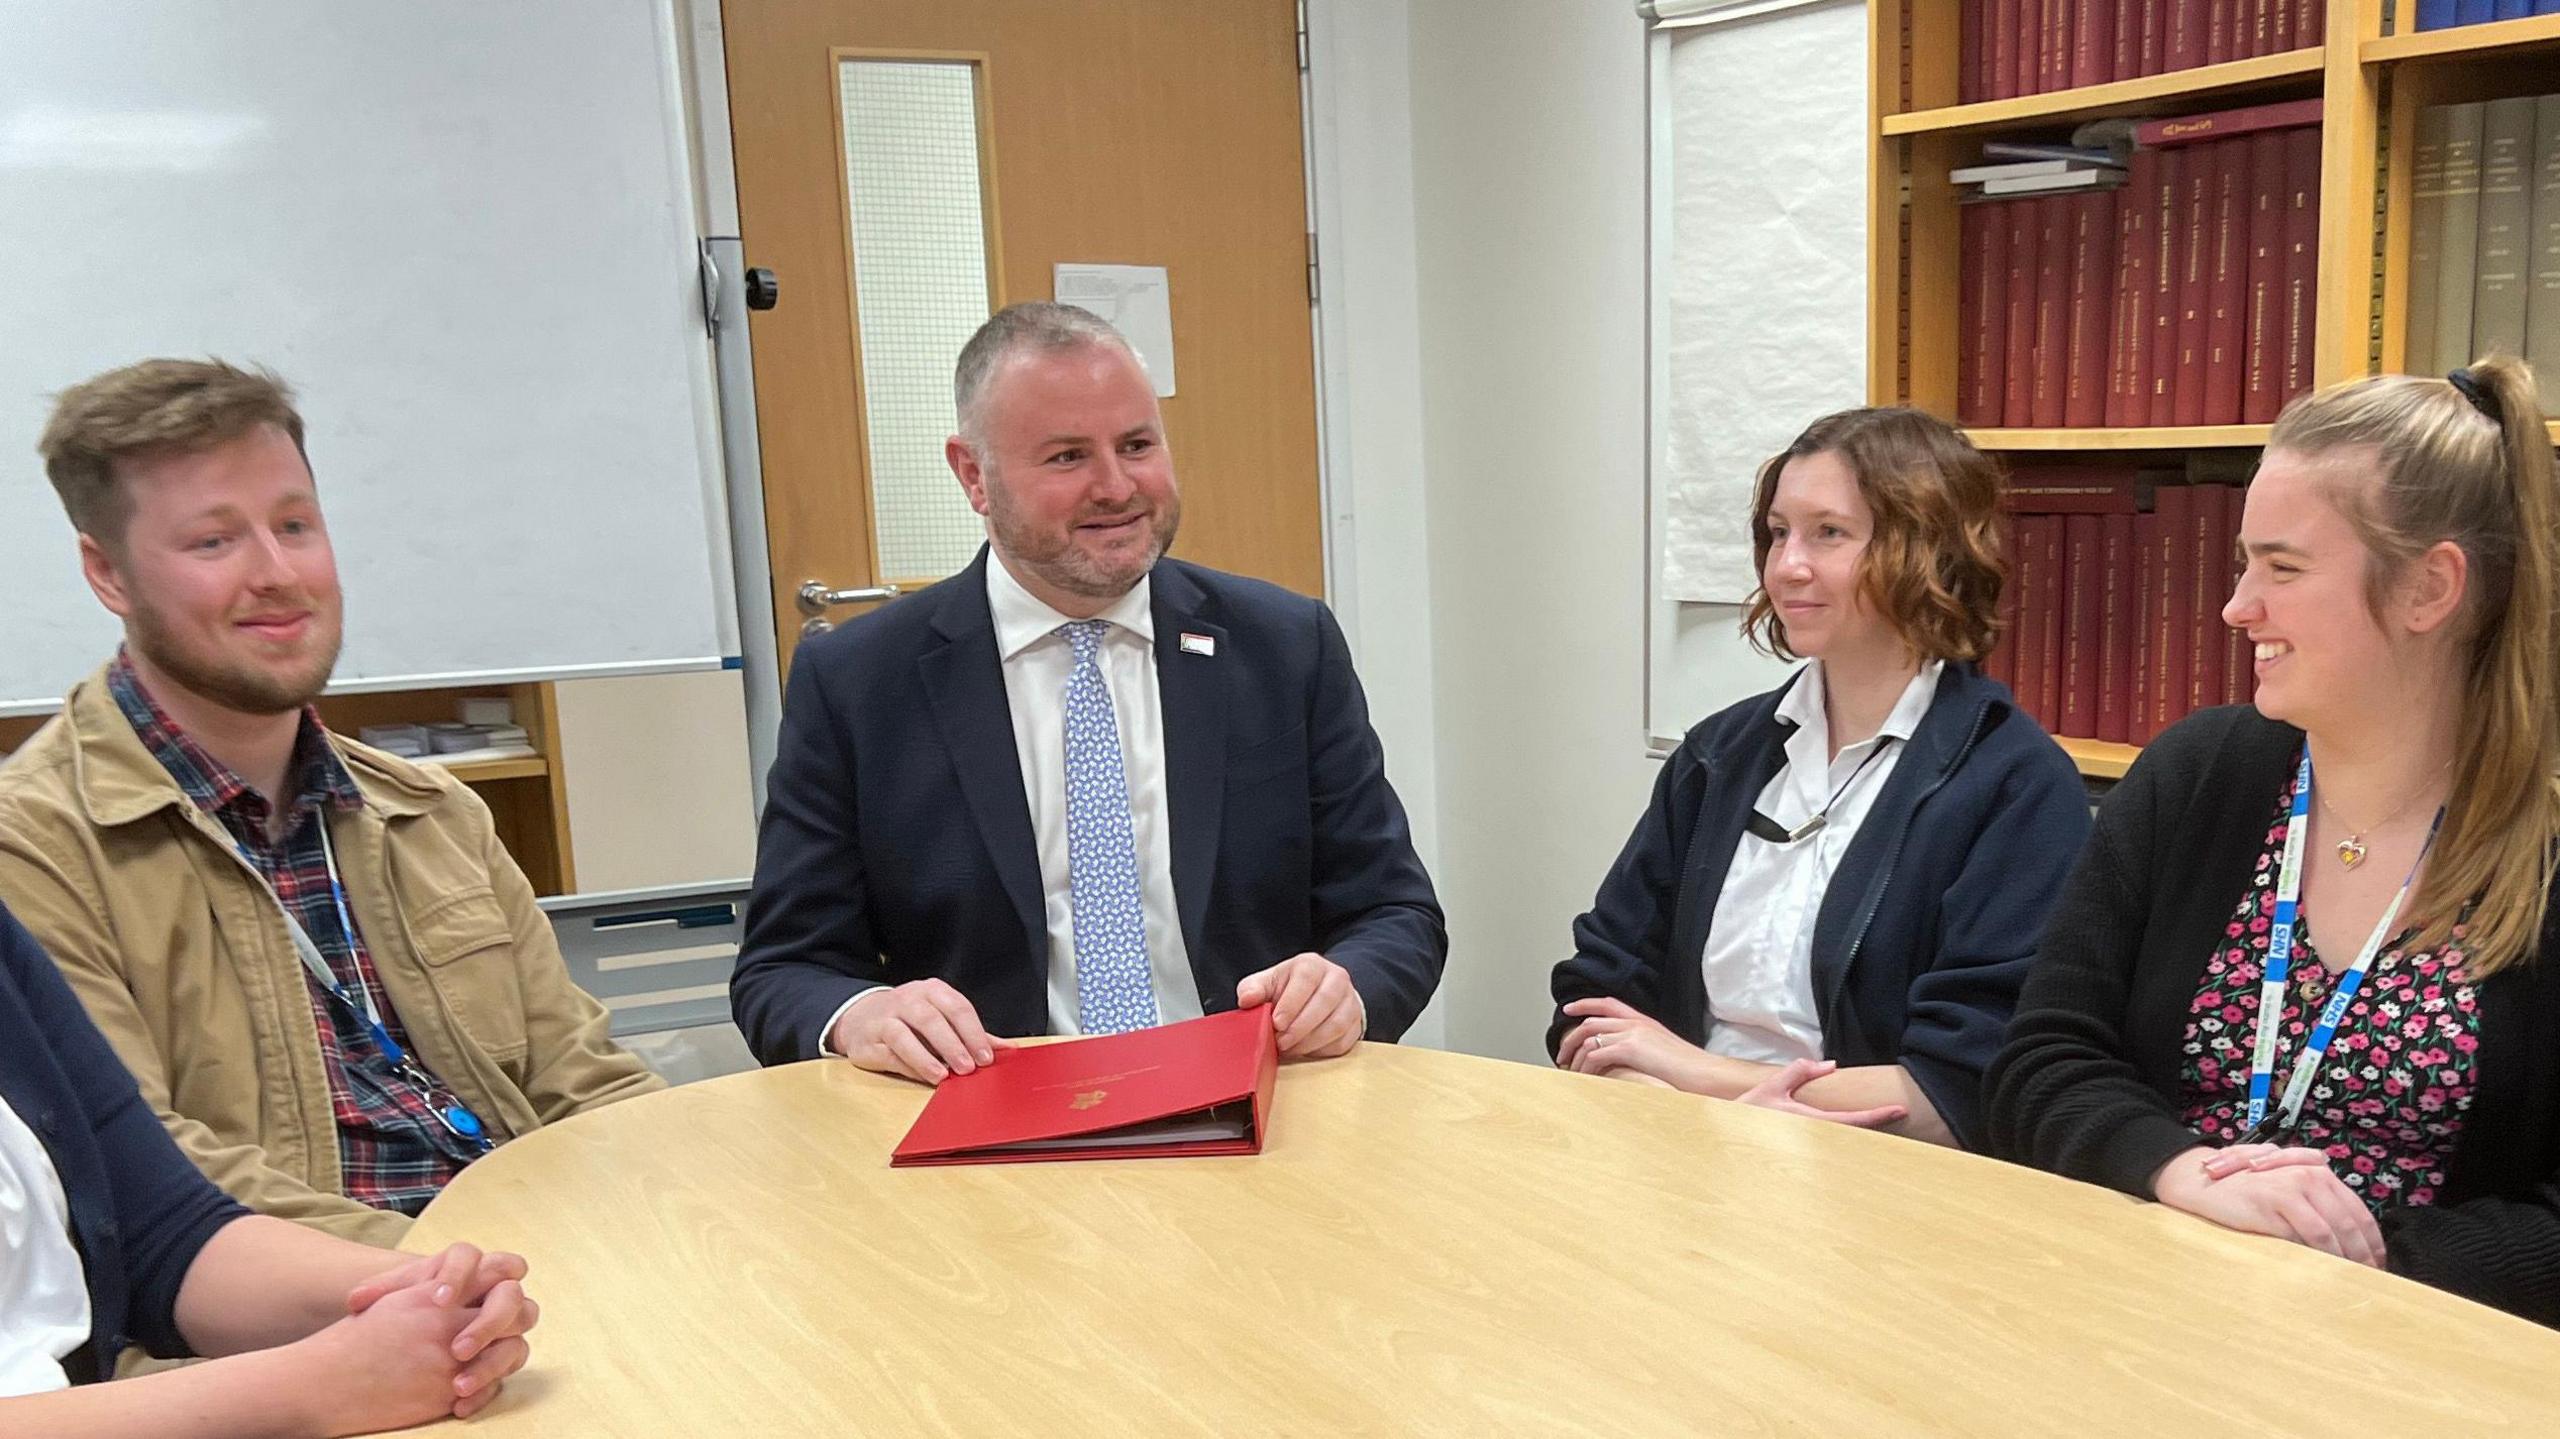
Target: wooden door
{"type": "Point", "coordinates": [1145, 132]}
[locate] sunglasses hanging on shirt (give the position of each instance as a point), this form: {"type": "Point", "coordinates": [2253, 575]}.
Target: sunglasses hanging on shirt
{"type": "Point", "coordinates": [1760, 826]}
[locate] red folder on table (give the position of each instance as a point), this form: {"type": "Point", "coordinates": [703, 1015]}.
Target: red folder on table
{"type": "Point", "coordinates": [1199, 1087]}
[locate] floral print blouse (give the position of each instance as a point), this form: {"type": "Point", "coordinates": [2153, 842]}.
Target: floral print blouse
{"type": "Point", "coordinates": [2388, 1105]}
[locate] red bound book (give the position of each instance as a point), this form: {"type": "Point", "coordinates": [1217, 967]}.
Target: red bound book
{"type": "Point", "coordinates": [2018, 329]}
{"type": "Point", "coordinates": [2070, 490]}
{"type": "Point", "coordinates": [2171, 663]}
{"type": "Point", "coordinates": [2093, 42]}
{"type": "Point", "coordinates": [2168, 260]}
{"type": "Point", "coordinates": [2280, 26]}
{"type": "Point", "coordinates": [2146, 625]}
{"type": "Point", "coordinates": [2301, 259]}
{"type": "Point", "coordinates": [1971, 223]}
{"type": "Point", "coordinates": [2028, 57]}
{"type": "Point", "coordinates": [1201, 1086]}
{"type": "Point", "coordinates": [2262, 349]}
{"type": "Point", "coordinates": [2026, 666]}
{"type": "Point", "coordinates": [2155, 36]}
{"type": "Point", "coordinates": [2053, 46]}
{"type": "Point", "coordinates": [2082, 579]}
{"type": "Point", "coordinates": [2239, 684]}
{"type": "Point", "coordinates": [2040, 618]}
{"type": "Point", "coordinates": [1986, 260]}
{"type": "Point", "coordinates": [2223, 124]}
{"type": "Point", "coordinates": [2260, 38]}
{"type": "Point", "coordinates": [2002, 42]}
{"type": "Point", "coordinates": [2209, 574]}
{"type": "Point", "coordinates": [2310, 23]}
{"type": "Point", "coordinates": [1969, 52]}
{"type": "Point", "coordinates": [2052, 309]}
{"type": "Point", "coordinates": [2218, 30]}
{"type": "Point", "coordinates": [2115, 628]}
{"type": "Point", "coordinates": [2227, 298]}
{"type": "Point", "coordinates": [2093, 278]}
{"type": "Point", "coordinates": [2127, 62]}
{"type": "Point", "coordinates": [2186, 34]}
{"type": "Point", "coordinates": [2195, 281]}
{"type": "Point", "coordinates": [2130, 406]}
{"type": "Point", "coordinates": [2121, 325]}
{"type": "Point", "coordinates": [2002, 663]}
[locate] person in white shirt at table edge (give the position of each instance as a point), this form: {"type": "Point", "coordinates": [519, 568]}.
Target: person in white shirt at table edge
{"type": "Point", "coordinates": [1079, 788]}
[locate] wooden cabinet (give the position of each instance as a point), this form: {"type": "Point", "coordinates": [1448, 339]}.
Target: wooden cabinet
{"type": "Point", "coordinates": [527, 796]}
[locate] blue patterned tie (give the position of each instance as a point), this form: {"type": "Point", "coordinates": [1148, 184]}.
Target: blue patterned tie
{"type": "Point", "coordinates": [1115, 991]}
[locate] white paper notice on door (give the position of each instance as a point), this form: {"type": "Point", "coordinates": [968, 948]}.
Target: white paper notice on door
{"type": "Point", "coordinates": [1137, 300]}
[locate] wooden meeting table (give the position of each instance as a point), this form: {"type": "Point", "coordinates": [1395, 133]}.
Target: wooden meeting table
{"type": "Point", "coordinates": [1429, 1243]}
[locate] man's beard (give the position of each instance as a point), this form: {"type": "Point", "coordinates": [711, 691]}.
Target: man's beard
{"type": "Point", "coordinates": [1064, 565]}
{"type": "Point", "coordinates": [239, 688]}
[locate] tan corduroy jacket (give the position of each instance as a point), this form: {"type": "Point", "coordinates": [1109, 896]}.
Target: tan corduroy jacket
{"type": "Point", "coordinates": [185, 962]}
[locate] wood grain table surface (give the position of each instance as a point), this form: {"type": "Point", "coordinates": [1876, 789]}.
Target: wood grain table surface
{"type": "Point", "coordinates": [1430, 1243]}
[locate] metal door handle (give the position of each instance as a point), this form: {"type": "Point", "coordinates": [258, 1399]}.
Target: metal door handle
{"type": "Point", "coordinates": [816, 598]}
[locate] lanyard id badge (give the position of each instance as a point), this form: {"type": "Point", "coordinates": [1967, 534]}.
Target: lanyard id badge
{"type": "Point", "coordinates": [2262, 1126]}
{"type": "Point", "coordinates": [357, 1000]}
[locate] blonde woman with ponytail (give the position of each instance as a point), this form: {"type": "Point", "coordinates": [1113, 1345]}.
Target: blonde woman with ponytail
{"type": "Point", "coordinates": [2305, 981]}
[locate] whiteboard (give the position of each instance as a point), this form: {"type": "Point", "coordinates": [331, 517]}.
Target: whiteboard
{"type": "Point", "coordinates": [1757, 298]}
{"type": "Point", "coordinates": [465, 233]}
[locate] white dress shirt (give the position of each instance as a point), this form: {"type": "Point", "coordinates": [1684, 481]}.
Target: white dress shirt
{"type": "Point", "coordinates": [1759, 954]}
{"type": "Point", "coordinates": [1037, 661]}
{"type": "Point", "coordinates": [44, 1291]}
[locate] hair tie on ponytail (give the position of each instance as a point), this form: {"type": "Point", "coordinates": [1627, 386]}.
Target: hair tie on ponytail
{"type": "Point", "coordinates": [2482, 398]}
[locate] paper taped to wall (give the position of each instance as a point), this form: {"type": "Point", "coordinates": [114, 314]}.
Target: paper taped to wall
{"type": "Point", "coordinates": [1137, 300]}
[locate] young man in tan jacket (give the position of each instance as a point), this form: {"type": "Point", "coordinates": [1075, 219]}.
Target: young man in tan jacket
{"type": "Point", "coordinates": [329, 978]}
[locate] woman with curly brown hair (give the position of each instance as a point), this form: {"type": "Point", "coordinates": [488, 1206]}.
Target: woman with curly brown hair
{"type": "Point", "coordinates": [1831, 902]}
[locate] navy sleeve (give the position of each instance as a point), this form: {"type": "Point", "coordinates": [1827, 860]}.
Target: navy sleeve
{"type": "Point", "coordinates": [1989, 922]}
{"type": "Point", "coordinates": [1619, 943]}
{"type": "Point", "coordinates": [1372, 904]}
{"type": "Point", "coordinates": [808, 945]}
{"type": "Point", "coordinates": [164, 1210]}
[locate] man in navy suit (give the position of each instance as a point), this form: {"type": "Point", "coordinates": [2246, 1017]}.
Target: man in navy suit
{"type": "Point", "coordinates": [1079, 788]}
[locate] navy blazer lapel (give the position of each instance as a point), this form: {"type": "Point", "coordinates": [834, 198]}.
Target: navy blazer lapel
{"type": "Point", "coordinates": [963, 679]}
{"type": "Point", "coordinates": [1857, 886]}
{"type": "Point", "coordinates": [1740, 771]}
{"type": "Point", "coordinates": [1191, 683]}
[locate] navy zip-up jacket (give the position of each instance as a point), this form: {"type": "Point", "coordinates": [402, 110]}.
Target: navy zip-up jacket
{"type": "Point", "coordinates": [139, 1211]}
{"type": "Point", "coordinates": [1929, 922]}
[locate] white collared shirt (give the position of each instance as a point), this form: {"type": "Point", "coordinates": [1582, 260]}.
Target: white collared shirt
{"type": "Point", "coordinates": [1759, 954]}
{"type": "Point", "coordinates": [44, 1290]}
{"type": "Point", "coordinates": [1036, 661]}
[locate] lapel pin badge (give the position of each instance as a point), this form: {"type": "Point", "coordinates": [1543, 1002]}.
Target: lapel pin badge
{"type": "Point", "coordinates": [1199, 644]}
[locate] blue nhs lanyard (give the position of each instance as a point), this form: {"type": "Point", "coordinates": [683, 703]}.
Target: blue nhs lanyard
{"type": "Point", "coordinates": [358, 1001]}
{"type": "Point", "coordinates": [2260, 1128]}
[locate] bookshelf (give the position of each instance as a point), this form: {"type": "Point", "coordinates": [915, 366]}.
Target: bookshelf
{"type": "Point", "coordinates": [527, 795]}
{"type": "Point", "coordinates": [2372, 83]}
{"type": "Point", "coordinates": [2148, 437]}
{"type": "Point", "coordinates": [2501, 38]}
{"type": "Point", "coordinates": [2234, 82]}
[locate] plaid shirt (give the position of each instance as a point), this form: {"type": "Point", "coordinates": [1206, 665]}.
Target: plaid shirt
{"type": "Point", "coordinates": [394, 1152]}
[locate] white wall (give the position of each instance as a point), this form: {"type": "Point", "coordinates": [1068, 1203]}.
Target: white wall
{"type": "Point", "coordinates": [1480, 188]}
{"type": "Point", "coordinates": [1369, 352]}
{"type": "Point", "coordinates": [1528, 136]}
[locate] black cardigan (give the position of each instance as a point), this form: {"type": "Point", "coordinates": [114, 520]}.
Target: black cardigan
{"type": "Point", "coordinates": [1928, 923]}
{"type": "Point", "coordinates": [2089, 1085]}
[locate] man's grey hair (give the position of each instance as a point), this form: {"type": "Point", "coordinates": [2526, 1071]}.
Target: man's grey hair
{"type": "Point", "coordinates": [1042, 326]}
